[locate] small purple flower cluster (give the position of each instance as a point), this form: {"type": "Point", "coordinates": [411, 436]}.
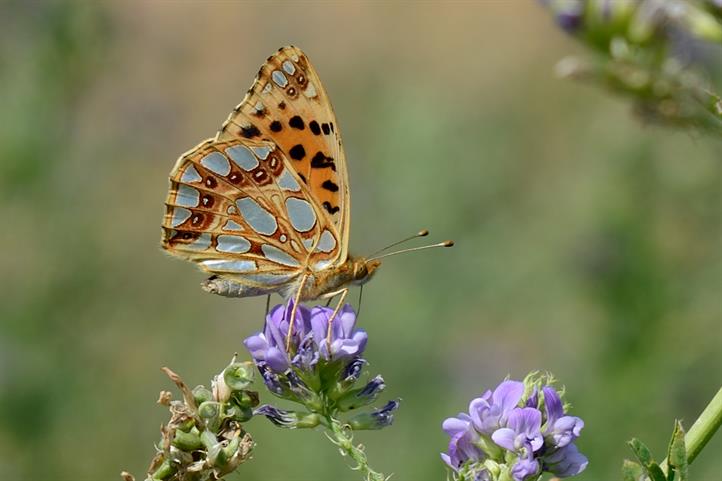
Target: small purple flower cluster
{"type": "Point", "coordinates": [308, 339]}
{"type": "Point", "coordinates": [518, 431]}
{"type": "Point", "coordinates": [319, 369]}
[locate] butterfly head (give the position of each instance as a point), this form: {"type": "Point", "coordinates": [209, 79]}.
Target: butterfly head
{"type": "Point", "coordinates": [363, 269]}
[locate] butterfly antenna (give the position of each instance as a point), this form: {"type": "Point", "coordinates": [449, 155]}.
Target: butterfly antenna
{"type": "Point", "coordinates": [447, 243]}
{"type": "Point", "coordinates": [421, 233]}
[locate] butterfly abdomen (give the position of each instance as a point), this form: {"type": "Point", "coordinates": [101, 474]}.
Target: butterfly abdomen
{"type": "Point", "coordinates": [230, 288]}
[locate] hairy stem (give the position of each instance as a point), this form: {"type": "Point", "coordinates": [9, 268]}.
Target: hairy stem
{"type": "Point", "coordinates": [342, 438]}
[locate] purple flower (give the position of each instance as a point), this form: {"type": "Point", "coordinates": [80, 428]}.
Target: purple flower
{"type": "Point", "coordinates": [462, 445]}
{"type": "Point", "coordinates": [523, 431]}
{"type": "Point", "coordinates": [346, 343]}
{"type": "Point", "coordinates": [560, 428]}
{"type": "Point", "coordinates": [520, 429]}
{"type": "Point", "coordinates": [318, 368]}
{"type": "Point", "coordinates": [524, 468]}
{"type": "Point", "coordinates": [309, 341]}
{"type": "Point", "coordinates": [490, 411]}
{"type": "Point", "coordinates": [565, 462]}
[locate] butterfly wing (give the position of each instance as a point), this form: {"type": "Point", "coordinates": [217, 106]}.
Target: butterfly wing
{"type": "Point", "coordinates": [288, 105]}
{"type": "Point", "coordinates": [237, 209]}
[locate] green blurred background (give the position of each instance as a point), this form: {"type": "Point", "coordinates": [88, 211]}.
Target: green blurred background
{"type": "Point", "coordinates": [587, 244]}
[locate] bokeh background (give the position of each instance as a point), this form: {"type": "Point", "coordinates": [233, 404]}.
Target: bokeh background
{"type": "Point", "coordinates": [587, 244]}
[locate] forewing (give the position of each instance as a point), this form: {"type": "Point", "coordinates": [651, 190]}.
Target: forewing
{"type": "Point", "coordinates": [237, 209]}
{"type": "Point", "coordinates": [288, 105]}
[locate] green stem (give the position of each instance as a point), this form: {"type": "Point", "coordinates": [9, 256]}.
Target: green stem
{"type": "Point", "coordinates": [344, 441]}
{"type": "Point", "coordinates": [703, 428]}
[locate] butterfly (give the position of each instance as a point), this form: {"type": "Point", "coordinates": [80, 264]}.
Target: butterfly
{"type": "Point", "coordinates": [264, 205]}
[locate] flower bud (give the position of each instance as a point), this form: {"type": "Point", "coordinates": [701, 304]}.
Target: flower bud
{"type": "Point", "coordinates": [246, 399]}
{"type": "Point", "coordinates": [239, 375]}
{"type": "Point", "coordinates": [221, 391]}
{"type": "Point", "coordinates": [377, 419]}
{"type": "Point", "coordinates": [187, 441]}
{"type": "Point", "coordinates": [352, 372]}
{"type": "Point", "coordinates": [288, 419]}
{"type": "Point", "coordinates": [209, 410]}
{"type": "Point", "coordinates": [208, 439]}
{"type": "Point", "coordinates": [238, 413]}
{"type": "Point", "coordinates": [202, 394]}
{"type": "Point", "coordinates": [164, 471]}
{"type": "Point", "coordinates": [362, 397]}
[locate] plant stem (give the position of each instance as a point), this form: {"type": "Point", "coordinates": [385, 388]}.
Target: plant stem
{"type": "Point", "coordinates": [344, 441]}
{"type": "Point", "coordinates": [703, 428]}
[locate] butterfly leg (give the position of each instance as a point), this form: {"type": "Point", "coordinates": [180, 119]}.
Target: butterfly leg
{"type": "Point", "coordinates": [360, 293]}
{"type": "Point", "coordinates": [268, 304]}
{"type": "Point", "coordinates": [296, 300]}
{"type": "Point", "coordinates": [344, 293]}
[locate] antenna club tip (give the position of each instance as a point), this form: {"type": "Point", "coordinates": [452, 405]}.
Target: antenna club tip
{"type": "Point", "coordinates": [423, 233]}
{"type": "Point", "coordinates": [448, 243]}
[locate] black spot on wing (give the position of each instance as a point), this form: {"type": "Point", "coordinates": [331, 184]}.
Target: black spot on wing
{"type": "Point", "coordinates": [276, 126]}
{"type": "Point", "coordinates": [315, 128]}
{"type": "Point", "coordinates": [329, 208]}
{"type": "Point", "coordinates": [297, 152]}
{"type": "Point", "coordinates": [330, 185]}
{"type": "Point", "coordinates": [320, 161]}
{"type": "Point", "coordinates": [326, 129]}
{"type": "Point", "coordinates": [297, 122]}
{"type": "Point", "coordinates": [250, 131]}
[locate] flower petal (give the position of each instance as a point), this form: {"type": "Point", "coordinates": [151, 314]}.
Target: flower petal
{"type": "Point", "coordinates": [508, 394]}
{"type": "Point", "coordinates": [552, 404]}
{"type": "Point", "coordinates": [567, 461]}
{"type": "Point", "coordinates": [505, 438]}
{"type": "Point", "coordinates": [276, 359]}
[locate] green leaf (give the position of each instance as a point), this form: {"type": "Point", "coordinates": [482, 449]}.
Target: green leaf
{"type": "Point", "coordinates": [632, 471]}
{"type": "Point", "coordinates": [644, 455]}
{"type": "Point", "coordinates": [641, 451]}
{"type": "Point", "coordinates": [677, 453]}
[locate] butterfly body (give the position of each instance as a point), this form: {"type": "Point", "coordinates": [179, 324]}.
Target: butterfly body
{"type": "Point", "coordinates": [264, 206]}
{"type": "Point", "coordinates": [355, 271]}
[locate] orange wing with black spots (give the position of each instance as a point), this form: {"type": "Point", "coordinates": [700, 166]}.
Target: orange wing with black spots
{"type": "Point", "coordinates": [237, 209]}
{"type": "Point", "coordinates": [288, 106]}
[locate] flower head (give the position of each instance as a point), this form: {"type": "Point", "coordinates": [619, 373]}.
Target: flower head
{"type": "Point", "coordinates": [319, 367]}
{"type": "Point", "coordinates": [517, 431]}
{"type": "Point", "coordinates": [309, 341]}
